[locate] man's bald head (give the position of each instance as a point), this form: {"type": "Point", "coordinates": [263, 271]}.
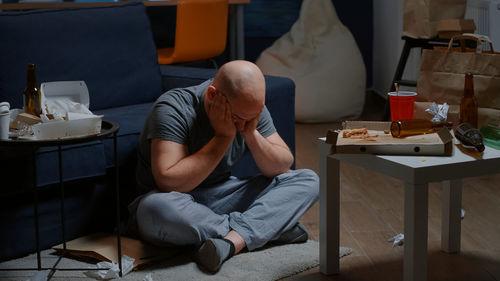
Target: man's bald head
{"type": "Point", "coordinates": [241, 80]}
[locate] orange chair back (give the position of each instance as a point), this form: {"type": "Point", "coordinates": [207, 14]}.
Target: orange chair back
{"type": "Point", "coordinates": [200, 32]}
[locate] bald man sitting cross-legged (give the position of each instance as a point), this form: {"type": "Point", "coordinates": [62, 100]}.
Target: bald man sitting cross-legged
{"type": "Point", "coordinates": [191, 139]}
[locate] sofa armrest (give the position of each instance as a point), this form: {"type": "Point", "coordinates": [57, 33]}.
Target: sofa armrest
{"type": "Point", "coordinates": [280, 101]}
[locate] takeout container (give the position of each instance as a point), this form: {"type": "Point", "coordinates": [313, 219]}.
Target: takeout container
{"type": "Point", "coordinates": [75, 91]}
{"type": "Point", "coordinates": [77, 124]}
{"type": "Point", "coordinates": [70, 128]}
{"type": "Point", "coordinates": [440, 143]}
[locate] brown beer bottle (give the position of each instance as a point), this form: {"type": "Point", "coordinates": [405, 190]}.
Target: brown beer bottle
{"type": "Point", "coordinates": [411, 127]}
{"type": "Point", "coordinates": [32, 102]}
{"type": "Point", "coordinates": [468, 105]}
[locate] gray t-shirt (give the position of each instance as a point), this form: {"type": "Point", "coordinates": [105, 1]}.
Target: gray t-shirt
{"type": "Point", "coordinates": [179, 116]}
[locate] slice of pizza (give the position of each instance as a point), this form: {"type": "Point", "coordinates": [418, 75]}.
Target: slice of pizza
{"type": "Point", "coordinates": [361, 133]}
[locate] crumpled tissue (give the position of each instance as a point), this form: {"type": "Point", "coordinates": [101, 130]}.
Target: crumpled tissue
{"type": "Point", "coordinates": [111, 270]}
{"type": "Point", "coordinates": [397, 240]}
{"type": "Point", "coordinates": [62, 108]}
{"type": "Point", "coordinates": [148, 277]}
{"type": "Point", "coordinates": [440, 112]}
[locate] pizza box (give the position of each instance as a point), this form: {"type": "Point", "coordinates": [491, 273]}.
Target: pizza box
{"type": "Point", "coordinates": [382, 142]}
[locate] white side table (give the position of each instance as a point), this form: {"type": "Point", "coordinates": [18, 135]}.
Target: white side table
{"type": "Point", "coordinates": [416, 172]}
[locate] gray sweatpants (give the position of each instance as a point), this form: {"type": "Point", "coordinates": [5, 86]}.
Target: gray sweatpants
{"type": "Point", "coordinates": [260, 209]}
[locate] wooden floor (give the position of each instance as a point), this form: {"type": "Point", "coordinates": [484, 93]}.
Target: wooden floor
{"type": "Point", "coordinates": [372, 212]}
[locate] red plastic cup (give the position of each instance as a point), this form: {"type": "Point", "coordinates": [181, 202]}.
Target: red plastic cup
{"type": "Point", "coordinates": [402, 105]}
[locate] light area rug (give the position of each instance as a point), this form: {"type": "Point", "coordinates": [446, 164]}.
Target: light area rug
{"type": "Point", "coordinates": [270, 263]}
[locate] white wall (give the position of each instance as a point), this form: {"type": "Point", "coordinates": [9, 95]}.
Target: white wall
{"type": "Point", "coordinates": [387, 45]}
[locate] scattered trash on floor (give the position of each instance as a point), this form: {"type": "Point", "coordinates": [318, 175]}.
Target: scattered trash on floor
{"type": "Point", "coordinates": [462, 213]}
{"type": "Point", "coordinates": [344, 251]}
{"type": "Point", "coordinates": [111, 270]}
{"type": "Point", "coordinates": [148, 277]}
{"type": "Point", "coordinates": [39, 276]}
{"type": "Point", "coordinates": [397, 240]}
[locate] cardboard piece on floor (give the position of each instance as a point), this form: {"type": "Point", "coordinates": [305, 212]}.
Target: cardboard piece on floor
{"type": "Point", "coordinates": [103, 246]}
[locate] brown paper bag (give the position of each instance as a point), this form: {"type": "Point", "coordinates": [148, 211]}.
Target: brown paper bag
{"type": "Point", "coordinates": [421, 17]}
{"type": "Point", "coordinates": [442, 76]}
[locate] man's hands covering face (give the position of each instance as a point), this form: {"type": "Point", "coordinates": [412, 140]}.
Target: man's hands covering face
{"type": "Point", "coordinates": [246, 126]}
{"type": "Point", "coordinates": [219, 114]}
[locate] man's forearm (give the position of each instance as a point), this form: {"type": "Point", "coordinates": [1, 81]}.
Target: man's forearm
{"type": "Point", "coordinates": [271, 158]}
{"type": "Point", "coordinates": [191, 171]}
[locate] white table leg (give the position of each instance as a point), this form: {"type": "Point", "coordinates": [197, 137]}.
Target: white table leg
{"type": "Point", "coordinates": [451, 216]}
{"type": "Point", "coordinates": [329, 212]}
{"type": "Point", "coordinates": [415, 227]}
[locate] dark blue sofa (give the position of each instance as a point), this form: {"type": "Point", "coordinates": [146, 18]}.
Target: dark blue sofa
{"type": "Point", "coordinates": [112, 50]}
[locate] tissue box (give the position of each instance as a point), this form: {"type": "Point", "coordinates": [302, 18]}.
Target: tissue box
{"type": "Point", "coordinates": [451, 27]}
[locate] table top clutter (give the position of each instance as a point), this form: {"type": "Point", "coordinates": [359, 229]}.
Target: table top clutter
{"type": "Point", "coordinates": [416, 172]}
{"type": "Point", "coordinates": [108, 128]}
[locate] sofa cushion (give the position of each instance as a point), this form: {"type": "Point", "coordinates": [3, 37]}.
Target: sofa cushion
{"type": "Point", "coordinates": [88, 208]}
{"type": "Point", "coordinates": [79, 161]}
{"type": "Point", "coordinates": [131, 119]}
{"type": "Point", "coordinates": [110, 48]}
{"type": "Point", "coordinates": [280, 101]}
{"type": "Point", "coordinates": [82, 160]}
{"type": "Point", "coordinates": [91, 159]}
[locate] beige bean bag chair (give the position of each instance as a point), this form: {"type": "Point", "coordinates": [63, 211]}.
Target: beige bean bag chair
{"type": "Point", "coordinates": [320, 55]}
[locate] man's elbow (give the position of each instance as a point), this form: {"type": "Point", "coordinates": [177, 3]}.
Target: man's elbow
{"type": "Point", "coordinates": [163, 187]}
{"type": "Point", "coordinates": [275, 173]}
{"type": "Point", "coordinates": [279, 169]}
{"type": "Point", "coordinates": [165, 183]}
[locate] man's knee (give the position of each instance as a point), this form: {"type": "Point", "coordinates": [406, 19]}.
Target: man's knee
{"type": "Point", "coordinates": [304, 181]}
{"type": "Point", "coordinates": [159, 218]}
{"type": "Point", "coordinates": [164, 208]}
{"type": "Point", "coordinates": [310, 180]}
{"type": "Point", "coordinates": [308, 175]}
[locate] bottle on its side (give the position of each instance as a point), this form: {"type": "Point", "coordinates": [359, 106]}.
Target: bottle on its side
{"type": "Point", "coordinates": [412, 127]}
{"type": "Point", "coordinates": [32, 99]}
{"type": "Point", "coordinates": [469, 137]}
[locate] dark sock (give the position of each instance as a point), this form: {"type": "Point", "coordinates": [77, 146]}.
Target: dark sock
{"type": "Point", "coordinates": [232, 249]}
